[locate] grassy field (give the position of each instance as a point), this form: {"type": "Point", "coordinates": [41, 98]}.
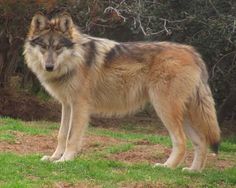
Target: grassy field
{"type": "Point", "coordinates": [115, 157]}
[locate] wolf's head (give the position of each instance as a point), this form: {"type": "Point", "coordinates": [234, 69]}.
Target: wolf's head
{"type": "Point", "coordinates": [51, 40]}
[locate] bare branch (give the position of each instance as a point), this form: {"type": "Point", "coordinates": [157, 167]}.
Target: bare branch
{"type": "Point", "coordinates": [117, 12]}
{"type": "Point", "coordinates": [175, 21]}
{"type": "Point", "coordinates": [141, 26]}
{"type": "Point", "coordinates": [213, 6]}
{"type": "Point", "coordinates": [168, 32]}
{"type": "Point", "coordinates": [215, 66]}
{"type": "Point", "coordinates": [234, 26]}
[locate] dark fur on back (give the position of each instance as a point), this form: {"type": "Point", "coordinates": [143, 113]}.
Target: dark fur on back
{"type": "Point", "coordinates": [133, 50]}
{"type": "Point", "coordinates": [115, 52]}
{"type": "Point", "coordinates": [91, 51]}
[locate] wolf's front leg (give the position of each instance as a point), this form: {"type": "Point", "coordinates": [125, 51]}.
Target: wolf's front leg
{"type": "Point", "coordinates": [78, 124]}
{"type": "Point", "coordinates": [62, 135]}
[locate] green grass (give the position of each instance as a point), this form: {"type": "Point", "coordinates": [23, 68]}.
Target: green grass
{"type": "Point", "coordinates": [97, 168]}
{"type": "Point", "coordinates": [128, 136]}
{"type": "Point", "coordinates": [228, 144]}
{"type": "Point", "coordinates": [28, 171]}
{"type": "Point", "coordinates": [120, 148]}
{"type": "Point", "coordinates": [7, 136]}
{"type": "Point", "coordinates": [31, 128]}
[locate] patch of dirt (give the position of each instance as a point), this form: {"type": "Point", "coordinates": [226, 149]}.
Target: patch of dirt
{"type": "Point", "coordinates": [144, 185]}
{"type": "Point", "coordinates": [143, 153]}
{"type": "Point", "coordinates": [25, 144]}
{"type": "Point", "coordinates": [93, 143]}
{"type": "Point", "coordinates": [143, 142]}
{"type": "Point", "coordinates": [212, 161]}
{"type": "Point", "coordinates": [72, 185]}
{"type": "Point", "coordinates": [27, 107]}
{"type": "Point", "coordinates": [158, 153]}
{"type": "Point", "coordinates": [45, 144]}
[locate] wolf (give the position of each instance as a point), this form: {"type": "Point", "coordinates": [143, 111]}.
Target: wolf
{"type": "Point", "coordinates": [90, 75]}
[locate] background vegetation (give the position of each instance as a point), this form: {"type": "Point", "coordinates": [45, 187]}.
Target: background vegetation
{"type": "Point", "coordinates": [209, 25]}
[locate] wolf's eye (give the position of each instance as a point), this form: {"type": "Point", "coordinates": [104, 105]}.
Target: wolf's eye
{"type": "Point", "coordinates": [44, 46]}
{"type": "Point", "coordinates": [39, 42]}
{"type": "Point", "coordinates": [58, 47]}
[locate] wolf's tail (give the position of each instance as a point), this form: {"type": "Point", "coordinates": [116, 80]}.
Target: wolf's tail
{"type": "Point", "coordinates": [203, 114]}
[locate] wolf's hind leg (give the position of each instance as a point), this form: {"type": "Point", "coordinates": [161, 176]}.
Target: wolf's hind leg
{"type": "Point", "coordinates": [62, 135]}
{"type": "Point", "coordinates": [200, 146]}
{"type": "Point", "coordinates": [171, 114]}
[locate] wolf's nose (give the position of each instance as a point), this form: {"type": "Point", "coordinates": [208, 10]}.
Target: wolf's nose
{"type": "Point", "coordinates": [49, 68]}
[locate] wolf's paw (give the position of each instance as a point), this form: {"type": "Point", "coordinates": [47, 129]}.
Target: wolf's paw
{"type": "Point", "coordinates": [50, 158]}
{"type": "Point", "coordinates": [166, 165]}
{"type": "Point", "coordinates": [65, 157]}
{"type": "Point", "coordinates": [61, 160]}
{"type": "Point", "coordinates": [45, 158]}
{"type": "Point", "coordinates": [187, 169]}
{"type": "Point", "coordinates": [160, 165]}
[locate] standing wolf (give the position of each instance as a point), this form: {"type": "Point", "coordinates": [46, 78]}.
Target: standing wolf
{"type": "Point", "coordinates": [91, 75]}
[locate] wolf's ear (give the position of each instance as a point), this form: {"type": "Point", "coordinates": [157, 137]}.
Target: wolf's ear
{"type": "Point", "coordinates": [39, 22]}
{"type": "Point", "coordinates": [65, 23]}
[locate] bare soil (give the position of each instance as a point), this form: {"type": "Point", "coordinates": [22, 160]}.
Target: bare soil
{"type": "Point", "coordinates": [144, 185]}
{"type": "Point", "coordinates": [71, 185]}
{"type": "Point", "coordinates": [25, 144]}
{"type": "Point", "coordinates": [142, 151]}
{"type": "Point", "coordinates": [25, 106]}
{"type": "Point", "coordinates": [45, 144]}
{"type": "Point", "coordinates": [159, 153]}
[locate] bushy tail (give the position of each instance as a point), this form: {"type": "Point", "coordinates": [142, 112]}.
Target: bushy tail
{"type": "Point", "coordinates": [203, 114]}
